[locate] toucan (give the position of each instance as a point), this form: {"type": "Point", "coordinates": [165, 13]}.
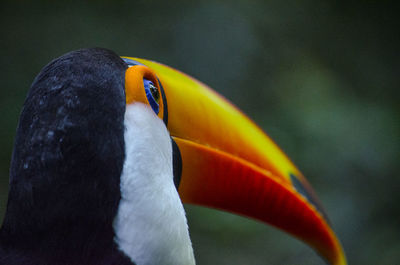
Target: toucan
{"type": "Point", "coordinates": [108, 148]}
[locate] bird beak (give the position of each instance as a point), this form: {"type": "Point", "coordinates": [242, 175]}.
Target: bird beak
{"type": "Point", "coordinates": [229, 163]}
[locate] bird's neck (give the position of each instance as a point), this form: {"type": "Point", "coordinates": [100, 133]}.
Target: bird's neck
{"type": "Point", "coordinates": [52, 229]}
{"type": "Point", "coordinates": [150, 226]}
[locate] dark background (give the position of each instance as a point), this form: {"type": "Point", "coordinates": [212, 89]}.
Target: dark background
{"type": "Point", "coordinates": [320, 77]}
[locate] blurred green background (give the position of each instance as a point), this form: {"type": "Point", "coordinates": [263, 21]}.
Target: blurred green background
{"type": "Point", "coordinates": [320, 77]}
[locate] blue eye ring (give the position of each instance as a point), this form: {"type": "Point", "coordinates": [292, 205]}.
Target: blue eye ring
{"type": "Point", "coordinates": [152, 94]}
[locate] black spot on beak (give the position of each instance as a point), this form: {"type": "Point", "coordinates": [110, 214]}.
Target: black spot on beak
{"type": "Point", "coordinates": [176, 163]}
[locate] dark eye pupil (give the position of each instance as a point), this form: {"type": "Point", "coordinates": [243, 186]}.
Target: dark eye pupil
{"type": "Point", "coordinates": [154, 92]}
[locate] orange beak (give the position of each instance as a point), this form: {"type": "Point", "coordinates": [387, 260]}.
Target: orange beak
{"type": "Point", "coordinates": [230, 164]}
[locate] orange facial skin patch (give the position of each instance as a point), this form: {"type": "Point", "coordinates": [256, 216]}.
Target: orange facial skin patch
{"type": "Point", "coordinates": [134, 86]}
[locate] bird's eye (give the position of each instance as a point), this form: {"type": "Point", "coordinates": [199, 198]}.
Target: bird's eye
{"type": "Point", "coordinates": [142, 85]}
{"type": "Point", "coordinates": [152, 94]}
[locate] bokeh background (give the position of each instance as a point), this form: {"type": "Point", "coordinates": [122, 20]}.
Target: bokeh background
{"type": "Point", "coordinates": [320, 77]}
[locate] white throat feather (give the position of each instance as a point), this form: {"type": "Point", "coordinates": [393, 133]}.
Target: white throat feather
{"type": "Point", "coordinates": [150, 226]}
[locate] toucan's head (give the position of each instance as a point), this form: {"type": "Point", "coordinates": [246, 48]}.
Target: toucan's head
{"type": "Point", "coordinates": [108, 140]}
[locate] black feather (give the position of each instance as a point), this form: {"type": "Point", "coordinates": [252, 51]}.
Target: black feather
{"type": "Point", "coordinates": [66, 165]}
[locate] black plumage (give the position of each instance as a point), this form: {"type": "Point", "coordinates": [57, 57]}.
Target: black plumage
{"type": "Point", "coordinates": [66, 165]}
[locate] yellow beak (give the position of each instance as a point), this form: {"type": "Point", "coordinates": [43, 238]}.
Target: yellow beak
{"type": "Point", "coordinates": [230, 164]}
